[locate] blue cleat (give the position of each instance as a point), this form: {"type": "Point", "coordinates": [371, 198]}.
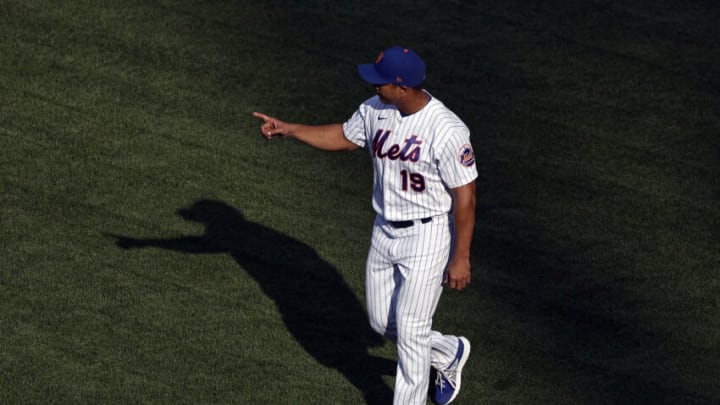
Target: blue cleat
{"type": "Point", "coordinates": [447, 383]}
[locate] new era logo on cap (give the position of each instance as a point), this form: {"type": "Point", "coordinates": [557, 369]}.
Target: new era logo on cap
{"type": "Point", "coordinates": [396, 65]}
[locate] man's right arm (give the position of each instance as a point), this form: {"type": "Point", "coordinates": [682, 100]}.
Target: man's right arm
{"type": "Point", "coordinates": [326, 137]}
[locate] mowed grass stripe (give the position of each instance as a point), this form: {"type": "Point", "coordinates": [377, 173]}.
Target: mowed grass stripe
{"type": "Point", "coordinates": [121, 113]}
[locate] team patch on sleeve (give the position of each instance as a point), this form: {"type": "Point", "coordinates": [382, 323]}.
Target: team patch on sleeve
{"type": "Point", "coordinates": [466, 157]}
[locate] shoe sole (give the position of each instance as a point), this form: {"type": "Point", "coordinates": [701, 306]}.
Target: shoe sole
{"type": "Point", "coordinates": [461, 364]}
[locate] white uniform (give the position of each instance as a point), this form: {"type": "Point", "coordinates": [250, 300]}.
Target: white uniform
{"type": "Point", "coordinates": [417, 160]}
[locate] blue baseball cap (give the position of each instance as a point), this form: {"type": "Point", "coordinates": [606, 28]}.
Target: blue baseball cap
{"type": "Point", "coordinates": [395, 65]}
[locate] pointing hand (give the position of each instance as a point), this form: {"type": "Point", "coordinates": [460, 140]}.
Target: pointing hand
{"type": "Point", "coordinates": [271, 127]}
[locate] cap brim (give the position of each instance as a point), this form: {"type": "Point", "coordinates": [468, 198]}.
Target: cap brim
{"type": "Point", "coordinates": [369, 74]}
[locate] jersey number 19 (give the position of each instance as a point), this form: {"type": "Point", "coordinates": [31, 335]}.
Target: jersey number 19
{"type": "Point", "coordinates": [415, 181]}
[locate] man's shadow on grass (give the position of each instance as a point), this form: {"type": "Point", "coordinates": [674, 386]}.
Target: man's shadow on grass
{"type": "Point", "coordinates": [319, 309]}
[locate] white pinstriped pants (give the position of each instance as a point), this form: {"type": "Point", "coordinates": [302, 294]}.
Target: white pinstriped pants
{"type": "Point", "coordinates": [404, 274]}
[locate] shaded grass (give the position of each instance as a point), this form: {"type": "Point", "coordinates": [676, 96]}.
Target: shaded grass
{"type": "Point", "coordinates": [597, 243]}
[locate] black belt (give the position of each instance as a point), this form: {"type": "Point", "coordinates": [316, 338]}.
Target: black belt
{"type": "Point", "coordinates": [408, 224]}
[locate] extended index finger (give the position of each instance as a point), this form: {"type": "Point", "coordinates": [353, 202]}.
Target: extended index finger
{"type": "Point", "coordinates": [262, 116]}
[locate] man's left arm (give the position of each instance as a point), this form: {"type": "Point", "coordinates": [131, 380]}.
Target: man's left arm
{"type": "Point", "coordinates": [459, 274]}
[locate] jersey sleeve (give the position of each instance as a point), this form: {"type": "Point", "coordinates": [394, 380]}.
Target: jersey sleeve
{"type": "Point", "coordinates": [354, 128]}
{"type": "Point", "coordinates": [456, 160]}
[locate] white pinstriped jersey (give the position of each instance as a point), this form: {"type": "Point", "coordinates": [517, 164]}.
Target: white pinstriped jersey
{"type": "Point", "coordinates": [417, 158]}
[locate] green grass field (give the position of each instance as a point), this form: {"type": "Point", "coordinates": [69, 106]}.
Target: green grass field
{"type": "Point", "coordinates": [155, 249]}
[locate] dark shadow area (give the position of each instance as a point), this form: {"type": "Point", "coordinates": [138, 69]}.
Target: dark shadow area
{"type": "Point", "coordinates": [506, 69]}
{"type": "Point", "coordinates": [587, 322]}
{"type": "Point", "coordinates": [318, 308]}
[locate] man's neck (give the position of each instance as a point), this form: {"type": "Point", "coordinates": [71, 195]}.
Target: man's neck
{"type": "Point", "coordinates": [414, 102]}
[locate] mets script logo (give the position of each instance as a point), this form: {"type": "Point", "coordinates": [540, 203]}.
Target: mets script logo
{"type": "Point", "coordinates": [409, 151]}
{"type": "Point", "coordinates": [466, 157]}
